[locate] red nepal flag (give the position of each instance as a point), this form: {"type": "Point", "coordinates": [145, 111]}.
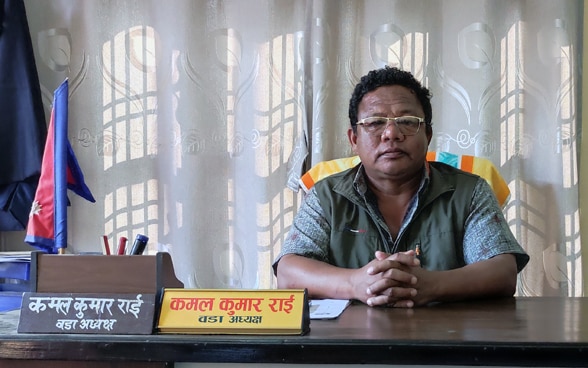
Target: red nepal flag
{"type": "Point", "coordinates": [47, 227]}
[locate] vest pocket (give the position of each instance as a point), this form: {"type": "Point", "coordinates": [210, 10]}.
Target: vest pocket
{"type": "Point", "coordinates": [353, 247]}
{"type": "Point", "coordinates": [439, 251]}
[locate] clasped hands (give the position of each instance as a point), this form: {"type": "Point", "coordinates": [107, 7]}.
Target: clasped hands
{"type": "Point", "coordinates": [390, 280]}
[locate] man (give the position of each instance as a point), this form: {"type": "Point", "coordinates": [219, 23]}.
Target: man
{"type": "Point", "coordinates": [396, 230]}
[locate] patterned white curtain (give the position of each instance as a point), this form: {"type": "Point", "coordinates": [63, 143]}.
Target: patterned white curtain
{"type": "Point", "coordinates": [192, 118]}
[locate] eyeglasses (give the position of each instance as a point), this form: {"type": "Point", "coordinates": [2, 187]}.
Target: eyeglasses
{"type": "Point", "coordinates": [406, 125]}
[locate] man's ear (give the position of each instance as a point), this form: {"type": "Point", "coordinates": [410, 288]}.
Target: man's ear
{"type": "Point", "coordinates": [352, 139]}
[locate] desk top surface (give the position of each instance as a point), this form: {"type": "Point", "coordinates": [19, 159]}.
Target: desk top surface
{"type": "Point", "coordinates": [513, 331]}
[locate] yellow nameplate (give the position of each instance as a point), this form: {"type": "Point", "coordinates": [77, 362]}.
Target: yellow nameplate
{"type": "Point", "coordinates": [214, 311]}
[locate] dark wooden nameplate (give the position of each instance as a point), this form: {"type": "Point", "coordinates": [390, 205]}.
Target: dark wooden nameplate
{"type": "Point", "coordinates": [69, 313]}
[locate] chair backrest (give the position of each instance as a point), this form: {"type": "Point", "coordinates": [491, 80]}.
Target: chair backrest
{"type": "Point", "coordinates": [473, 164]}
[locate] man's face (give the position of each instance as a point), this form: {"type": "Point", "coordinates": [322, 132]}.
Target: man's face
{"type": "Point", "coordinates": [390, 155]}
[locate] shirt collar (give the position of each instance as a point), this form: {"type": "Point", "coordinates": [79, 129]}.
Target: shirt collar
{"type": "Point", "coordinates": [360, 185]}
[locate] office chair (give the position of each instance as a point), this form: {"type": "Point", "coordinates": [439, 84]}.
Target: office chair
{"type": "Point", "coordinates": [473, 164]}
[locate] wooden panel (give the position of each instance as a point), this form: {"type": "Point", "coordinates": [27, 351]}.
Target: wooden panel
{"type": "Point", "coordinates": [515, 320]}
{"type": "Point", "coordinates": [80, 364]}
{"type": "Point", "coordinates": [533, 331]}
{"type": "Point", "coordinates": [69, 273]}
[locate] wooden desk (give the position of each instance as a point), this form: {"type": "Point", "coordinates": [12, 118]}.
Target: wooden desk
{"type": "Point", "coordinates": [510, 332]}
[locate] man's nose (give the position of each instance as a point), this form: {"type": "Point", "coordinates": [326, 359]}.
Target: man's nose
{"type": "Point", "coordinates": [391, 131]}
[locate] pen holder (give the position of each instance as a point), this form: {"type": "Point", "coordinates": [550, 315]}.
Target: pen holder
{"type": "Point", "coordinates": [76, 273]}
{"type": "Point", "coordinates": [95, 283]}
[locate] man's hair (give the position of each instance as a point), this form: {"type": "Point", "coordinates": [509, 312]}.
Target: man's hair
{"type": "Point", "coordinates": [389, 76]}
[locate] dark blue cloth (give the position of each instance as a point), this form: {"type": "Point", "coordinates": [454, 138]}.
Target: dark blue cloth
{"type": "Point", "coordinates": [23, 127]}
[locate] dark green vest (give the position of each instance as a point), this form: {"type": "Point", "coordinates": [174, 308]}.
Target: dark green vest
{"type": "Point", "coordinates": [437, 227]}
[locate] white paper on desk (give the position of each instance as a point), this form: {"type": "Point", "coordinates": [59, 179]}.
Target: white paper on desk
{"type": "Point", "coordinates": [327, 308]}
{"type": "Point", "coordinates": [18, 256]}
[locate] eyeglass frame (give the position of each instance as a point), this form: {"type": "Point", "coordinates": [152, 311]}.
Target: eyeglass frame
{"type": "Point", "coordinates": [362, 123]}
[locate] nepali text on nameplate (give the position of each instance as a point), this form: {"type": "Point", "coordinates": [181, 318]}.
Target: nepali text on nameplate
{"type": "Point", "coordinates": [87, 313]}
{"type": "Point", "coordinates": [218, 311]}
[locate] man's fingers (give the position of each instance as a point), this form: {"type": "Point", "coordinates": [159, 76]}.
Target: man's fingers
{"type": "Point", "coordinates": [398, 297]}
{"type": "Point", "coordinates": [407, 258]}
{"type": "Point", "coordinates": [385, 261]}
{"type": "Point", "coordinates": [382, 255]}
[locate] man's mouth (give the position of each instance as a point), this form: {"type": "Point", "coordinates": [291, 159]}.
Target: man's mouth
{"type": "Point", "coordinates": [392, 154]}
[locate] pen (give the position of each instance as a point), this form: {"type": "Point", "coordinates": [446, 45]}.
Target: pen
{"type": "Point", "coordinates": [105, 246]}
{"type": "Point", "coordinates": [139, 244]}
{"type": "Point", "coordinates": [122, 243]}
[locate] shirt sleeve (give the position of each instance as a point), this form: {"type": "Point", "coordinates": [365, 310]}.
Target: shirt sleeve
{"type": "Point", "coordinates": [486, 232]}
{"type": "Point", "coordinates": [310, 232]}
